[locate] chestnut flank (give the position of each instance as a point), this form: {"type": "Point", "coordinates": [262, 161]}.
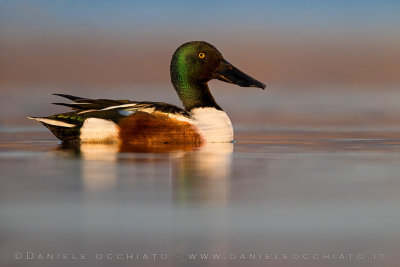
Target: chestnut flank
{"type": "Point", "coordinates": [156, 128]}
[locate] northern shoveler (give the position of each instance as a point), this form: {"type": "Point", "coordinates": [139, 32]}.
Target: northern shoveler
{"type": "Point", "coordinates": [123, 121]}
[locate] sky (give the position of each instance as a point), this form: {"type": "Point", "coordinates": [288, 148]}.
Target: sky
{"type": "Point", "coordinates": [124, 15]}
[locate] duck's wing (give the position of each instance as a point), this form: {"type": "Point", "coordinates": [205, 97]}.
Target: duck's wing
{"type": "Point", "coordinates": [82, 105]}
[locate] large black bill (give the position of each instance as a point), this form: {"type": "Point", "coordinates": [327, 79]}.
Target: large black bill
{"type": "Point", "coordinates": [228, 73]}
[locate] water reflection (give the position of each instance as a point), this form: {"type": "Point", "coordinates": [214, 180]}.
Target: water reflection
{"type": "Point", "coordinates": [195, 173]}
{"type": "Point", "coordinates": [202, 174]}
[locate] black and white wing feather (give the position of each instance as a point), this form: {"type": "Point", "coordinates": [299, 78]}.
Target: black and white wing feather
{"type": "Point", "coordinates": [83, 105]}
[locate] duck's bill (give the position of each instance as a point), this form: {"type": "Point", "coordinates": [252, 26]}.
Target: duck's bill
{"type": "Point", "coordinates": [228, 73]}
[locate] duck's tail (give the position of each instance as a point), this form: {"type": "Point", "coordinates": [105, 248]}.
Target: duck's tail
{"type": "Point", "coordinates": [52, 121]}
{"type": "Point", "coordinates": [65, 131]}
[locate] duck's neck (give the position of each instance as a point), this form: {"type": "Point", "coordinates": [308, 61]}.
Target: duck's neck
{"type": "Point", "coordinates": [194, 94]}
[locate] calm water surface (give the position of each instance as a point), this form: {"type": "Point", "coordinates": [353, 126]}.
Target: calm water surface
{"type": "Point", "coordinates": [312, 172]}
{"type": "Point", "coordinates": [275, 192]}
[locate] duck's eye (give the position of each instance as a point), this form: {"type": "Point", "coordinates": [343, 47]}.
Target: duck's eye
{"type": "Point", "coordinates": [201, 55]}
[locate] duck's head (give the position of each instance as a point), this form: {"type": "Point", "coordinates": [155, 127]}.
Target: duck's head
{"type": "Point", "coordinates": [194, 64]}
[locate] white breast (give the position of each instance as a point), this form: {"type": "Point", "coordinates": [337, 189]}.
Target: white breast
{"type": "Point", "coordinates": [214, 125]}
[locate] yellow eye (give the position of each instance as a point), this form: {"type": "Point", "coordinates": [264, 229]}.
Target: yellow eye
{"type": "Point", "coordinates": [201, 55]}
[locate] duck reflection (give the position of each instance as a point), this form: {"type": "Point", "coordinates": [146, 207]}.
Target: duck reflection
{"type": "Point", "coordinates": [96, 171]}
{"type": "Point", "coordinates": [202, 174]}
{"type": "Point", "coordinates": [196, 173]}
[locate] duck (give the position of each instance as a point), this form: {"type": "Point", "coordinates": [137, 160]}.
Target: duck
{"type": "Point", "coordinates": [201, 120]}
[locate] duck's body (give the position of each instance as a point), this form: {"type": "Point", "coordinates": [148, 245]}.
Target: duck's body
{"type": "Point", "coordinates": [115, 121]}
{"type": "Point", "coordinates": [124, 121]}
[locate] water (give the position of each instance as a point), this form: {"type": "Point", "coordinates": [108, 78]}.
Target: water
{"type": "Point", "coordinates": [300, 194]}
{"type": "Point", "coordinates": [326, 187]}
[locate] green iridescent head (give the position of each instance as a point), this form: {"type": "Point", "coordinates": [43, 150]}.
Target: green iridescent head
{"type": "Point", "coordinates": [194, 64]}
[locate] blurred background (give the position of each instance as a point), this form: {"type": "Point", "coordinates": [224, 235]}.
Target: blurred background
{"type": "Point", "coordinates": [315, 168]}
{"type": "Point", "coordinates": [325, 63]}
